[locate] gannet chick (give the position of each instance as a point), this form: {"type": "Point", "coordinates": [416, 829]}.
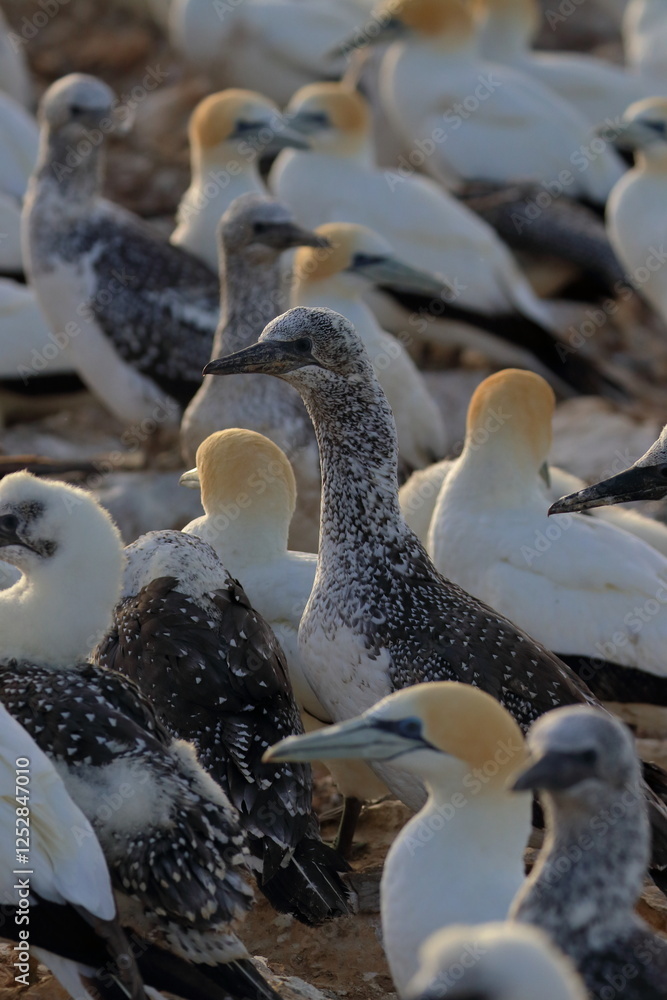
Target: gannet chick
{"type": "Point", "coordinates": [229, 133]}
{"type": "Point", "coordinates": [136, 315]}
{"type": "Point", "coordinates": [248, 493]}
{"type": "Point", "coordinates": [360, 259]}
{"type": "Point", "coordinates": [185, 632]}
{"type": "Point", "coordinates": [437, 89]}
{"type": "Point", "coordinates": [589, 875]}
{"type": "Point", "coordinates": [633, 224]}
{"type": "Point", "coordinates": [170, 837]}
{"type": "Point", "coordinates": [66, 876]}
{"type": "Point", "coordinates": [337, 181]}
{"type": "Point", "coordinates": [460, 859]}
{"type": "Point", "coordinates": [501, 961]}
{"type": "Point", "coordinates": [253, 234]}
{"type": "Point", "coordinates": [490, 534]}
{"type": "Point", "coordinates": [595, 87]}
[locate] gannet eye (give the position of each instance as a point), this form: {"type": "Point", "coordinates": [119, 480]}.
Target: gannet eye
{"type": "Point", "coordinates": [587, 757]}
{"type": "Point", "coordinates": [9, 523]}
{"type": "Point", "coordinates": [303, 345]}
{"type": "Point", "coordinates": [662, 471]}
{"type": "Point", "coordinates": [410, 728]}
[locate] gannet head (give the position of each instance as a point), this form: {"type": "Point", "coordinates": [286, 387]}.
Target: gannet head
{"type": "Point", "coordinates": [241, 125]}
{"type": "Point", "coordinates": [191, 561]}
{"type": "Point", "coordinates": [357, 258]}
{"type": "Point", "coordinates": [643, 128]}
{"type": "Point", "coordinates": [241, 470]}
{"type": "Point", "coordinates": [426, 20]}
{"type": "Point", "coordinates": [419, 729]}
{"type": "Point", "coordinates": [333, 116]}
{"type": "Point", "coordinates": [78, 103]}
{"type": "Point", "coordinates": [304, 347]}
{"type": "Point", "coordinates": [262, 229]}
{"type": "Point", "coordinates": [510, 415]}
{"type": "Point", "coordinates": [576, 753]}
{"type": "Point", "coordinates": [499, 961]}
{"type": "Point", "coordinates": [645, 480]}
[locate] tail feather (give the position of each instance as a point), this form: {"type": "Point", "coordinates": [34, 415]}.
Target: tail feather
{"type": "Point", "coordinates": [238, 980]}
{"type": "Point", "coordinates": [310, 886]}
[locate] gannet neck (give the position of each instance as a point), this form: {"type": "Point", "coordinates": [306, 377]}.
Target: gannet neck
{"type": "Point", "coordinates": [250, 296]}
{"type": "Point", "coordinates": [508, 28]}
{"type": "Point", "coordinates": [210, 162]}
{"type": "Point", "coordinates": [73, 174]}
{"type": "Point", "coordinates": [343, 287]}
{"type": "Point", "coordinates": [651, 161]}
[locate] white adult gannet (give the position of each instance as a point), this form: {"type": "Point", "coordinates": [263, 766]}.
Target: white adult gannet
{"type": "Point", "coordinates": [483, 287]}
{"type": "Point", "coordinates": [136, 315]}
{"type": "Point", "coordinates": [499, 961]}
{"type": "Point", "coordinates": [585, 885]}
{"type": "Point", "coordinates": [66, 882]}
{"type": "Point", "coordinates": [185, 632]}
{"type": "Point", "coordinates": [490, 533]}
{"type": "Point", "coordinates": [170, 837]}
{"type": "Point", "coordinates": [229, 133]}
{"type": "Point", "coordinates": [248, 492]}
{"type": "Point", "coordinates": [460, 859]}
{"type": "Point", "coordinates": [254, 233]}
{"type": "Point", "coordinates": [597, 89]}
{"type": "Point", "coordinates": [273, 46]}
{"type": "Point", "coordinates": [453, 106]}
{"type": "Point", "coordinates": [635, 222]}
{"type": "Point", "coordinates": [359, 259]}
{"type": "Point", "coordinates": [644, 30]}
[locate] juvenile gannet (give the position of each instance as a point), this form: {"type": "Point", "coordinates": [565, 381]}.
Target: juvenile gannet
{"type": "Point", "coordinates": [66, 876]}
{"type": "Point", "coordinates": [186, 634]}
{"type": "Point", "coordinates": [635, 227]}
{"type": "Point", "coordinates": [595, 87]}
{"type": "Point", "coordinates": [453, 106]}
{"type": "Point", "coordinates": [490, 534]}
{"type": "Point", "coordinates": [170, 837]}
{"type": "Point", "coordinates": [337, 181]}
{"type": "Point", "coordinates": [589, 875]}
{"type": "Point", "coordinates": [460, 859]}
{"type": "Point", "coordinates": [248, 492]}
{"type": "Point", "coordinates": [229, 133]}
{"type": "Point", "coordinates": [136, 315]}
{"type": "Point", "coordinates": [253, 234]}
{"type": "Point", "coordinates": [360, 259]}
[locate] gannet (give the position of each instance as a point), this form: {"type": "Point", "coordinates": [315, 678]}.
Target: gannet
{"type": "Point", "coordinates": [136, 315]}
{"type": "Point", "coordinates": [229, 133]}
{"type": "Point", "coordinates": [359, 259]}
{"type": "Point", "coordinates": [596, 88]}
{"type": "Point", "coordinates": [590, 872]}
{"type": "Point", "coordinates": [644, 30]}
{"type": "Point", "coordinates": [273, 47]}
{"type": "Point", "coordinates": [186, 634]}
{"type": "Point", "coordinates": [66, 875]}
{"type": "Point", "coordinates": [490, 534]}
{"type": "Point", "coordinates": [19, 141]}
{"type": "Point", "coordinates": [460, 859]}
{"type": "Point", "coordinates": [452, 106]}
{"type": "Point", "coordinates": [171, 839]}
{"type": "Point", "coordinates": [248, 492]}
{"type": "Point", "coordinates": [499, 961]}
{"type": "Point", "coordinates": [254, 233]}
{"type": "Point", "coordinates": [338, 181]}
{"type": "Point", "coordinates": [635, 227]}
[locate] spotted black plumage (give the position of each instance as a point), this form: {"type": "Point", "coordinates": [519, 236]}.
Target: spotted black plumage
{"type": "Point", "coordinates": [216, 676]}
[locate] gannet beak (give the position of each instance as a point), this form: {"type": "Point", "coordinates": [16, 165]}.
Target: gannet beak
{"type": "Point", "coordinates": [358, 739]}
{"type": "Point", "coordinates": [284, 235]}
{"type": "Point", "coordinates": [393, 273]}
{"type": "Point", "coordinates": [281, 137]}
{"type": "Point", "coordinates": [268, 358]}
{"type": "Point", "coordinates": [190, 479]}
{"type": "Point", "coordinates": [9, 532]}
{"type": "Point", "coordinates": [390, 31]}
{"type": "Point", "coordinates": [633, 135]}
{"type": "Point", "coordinates": [552, 772]}
{"type": "Point", "coordinates": [639, 482]}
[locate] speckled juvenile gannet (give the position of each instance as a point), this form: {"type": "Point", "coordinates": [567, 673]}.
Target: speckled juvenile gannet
{"type": "Point", "coordinates": [185, 632]}
{"type": "Point", "coordinates": [635, 228]}
{"type": "Point", "coordinates": [595, 87]}
{"type": "Point", "coordinates": [248, 493]}
{"type": "Point", "coordinates": [490, 534]}
{"type": "Point", "coordinates": [360, 259]}
{"type": "Point", "coordinates": [460, 859]}
{"type": "Point", "coordinates": [229, 133]}
{"type": "Point", "coordinates": [66, 876]}
{"type": "Point", "coordinates": [254, 233]}
{"type": "Point", "coordinates": [501, 961]}
{"type": "Point", "coordinates": [590, 872]}
{"type": "Point", "coordinates": [170, 837]}
{"type": "Point", "coordinates": [483, 287]}
{"type": "Point", "coordinates": [442, 97]}
{"type": "Point", "coordinates": [136, 316]}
